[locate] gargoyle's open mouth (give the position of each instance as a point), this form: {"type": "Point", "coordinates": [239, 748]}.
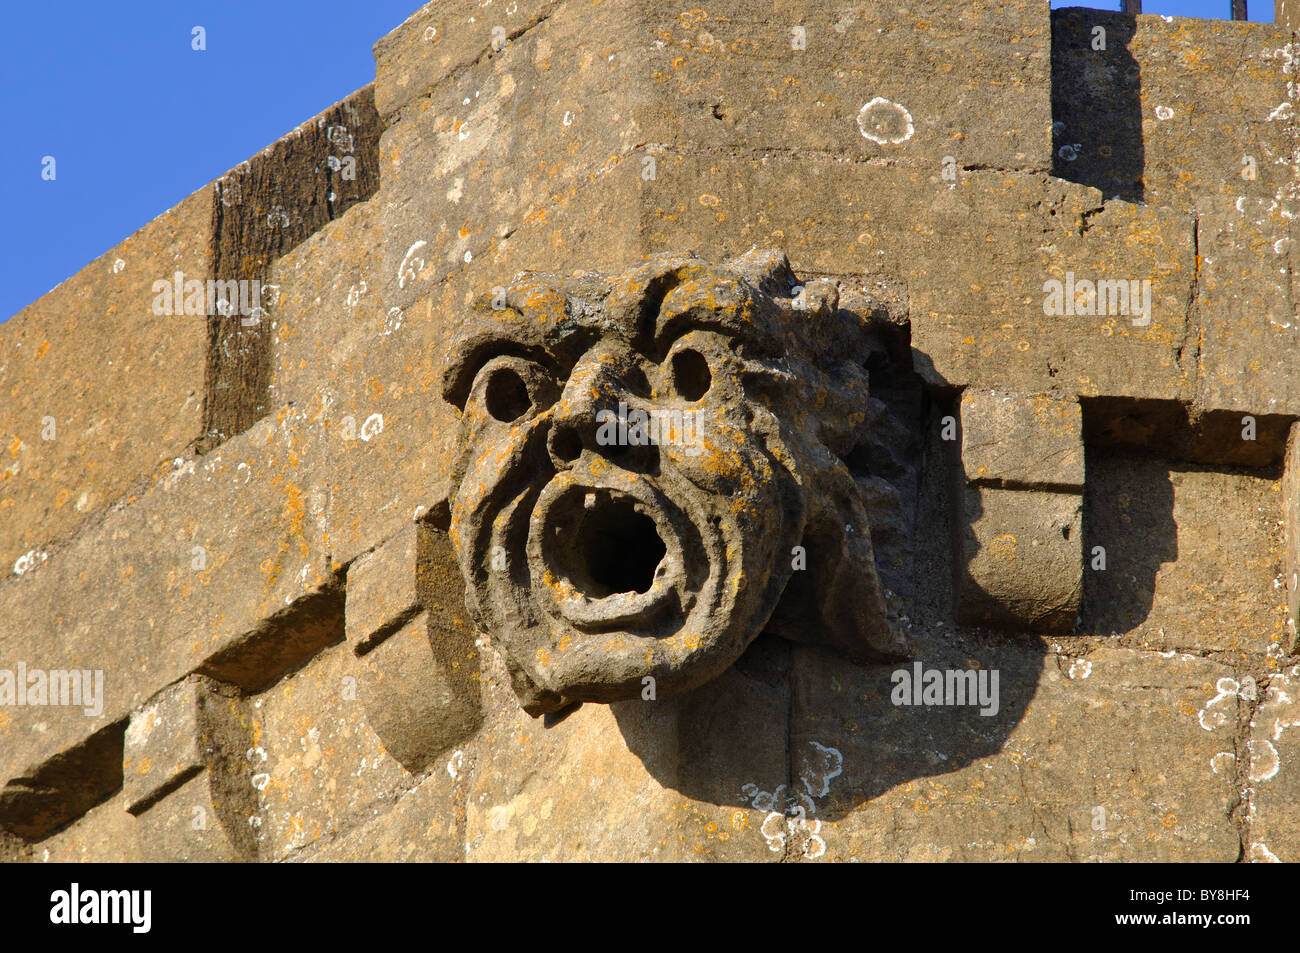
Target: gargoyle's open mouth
{"type": "Point", "coordinates": [614, 547]}
{"type": "Point", "coordinates": [612, 558]}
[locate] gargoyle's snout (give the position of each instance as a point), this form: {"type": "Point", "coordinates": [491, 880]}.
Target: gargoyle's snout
{"type": "Point", "coordinates": [599, 391]}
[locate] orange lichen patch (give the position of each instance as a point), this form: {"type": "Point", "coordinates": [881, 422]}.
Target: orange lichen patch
{"type": "Point", "coordinates": [1003, 546]}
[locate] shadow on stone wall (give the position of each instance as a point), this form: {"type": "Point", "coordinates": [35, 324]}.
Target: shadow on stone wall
{"type": "Point", "coordinates": [794, 727]}
{"type": "Point", "coordinates": [1129, 513]}
{"type": "Point", "coordinates": [1096, 102]}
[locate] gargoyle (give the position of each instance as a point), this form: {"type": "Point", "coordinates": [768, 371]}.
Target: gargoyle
{"type": "Point", "coordinates": [649, 474]}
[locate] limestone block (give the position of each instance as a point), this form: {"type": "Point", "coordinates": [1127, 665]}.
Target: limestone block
{"type": "Point", "coordinates": [187, 776]}
{"type": "Point", "coordinates": [420, 690]}
{"type": "Point", "coordinates": [440, 39]}
{"type": "Point", "coordinates": [201, 821]}
{"type": "Point", "coordinates": [498, 141]}
{"type": "Point", "coordinates": [1273, 787]}
{"type": "Point", "coordinates": [1020, 559]}
{"type": "Point", "coordinates": [1185, 557]}
{"type": "Point", "coordinates": [315, 766]}
{"type": "Point", "coordinates": [425, 826]}
{"type": "Point", "coordinates": [96, 390]}
{"type": "Point", "coordinates": [382, 590]}
{"type": "Point", "coordinates": [417, 670]}
{"type": "Point", "coordinates": [1249, 355]}
{"type": "Point", "coordinates": [105, 834]}
{"type": "Point", "coordinates": [220, 566]}
{"type": "Point", "coordinates": [1012, 440]}
{"type": "Point", "coordinates": [1019, 520]}
{"type": "Point", "coordinates": [987, 327]}
{"type": "Point", "coordinates": [1291, 529]}
{"type": "Point", "coordinates": [862, 80]}
{"type": "Point", "coordinates": [1125, 113]}
{"type": "Point", "coordinates": [162, 744]}
{"type": "Point", "coordinates": [646, 779]}
{"type": "Point", "coordinates": [1116, 755]}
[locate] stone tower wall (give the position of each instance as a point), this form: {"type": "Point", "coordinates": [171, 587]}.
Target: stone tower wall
{"type": "Point", "coordinates": [243, 524]}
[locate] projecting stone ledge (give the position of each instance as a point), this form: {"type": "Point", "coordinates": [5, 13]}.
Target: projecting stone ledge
{"type": "Point", "coordinates": [1020, 520]}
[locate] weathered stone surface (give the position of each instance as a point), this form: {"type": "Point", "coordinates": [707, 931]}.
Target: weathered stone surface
{"type": "Point", "coordinates": [220, 566]}
{"type": "Point", "coordinates": [1169, 110]}
{"type": "Point", "coordinates": [1193, 557]}
{"type": "Point", "coordinates": [161, 748]}
{"type": "Point", "coordinates": [314, 763]}
{"type": "Point", "coordinates": [1272, 790]}
{"type": "Point", "coordinates": [420, 689]}
{"type": "Point", "coordinates": [105, 834]}
{"type": "Point", "coordinates": [417, 670]}
{"type": "Point", "coordinates": [425, 826]}
{"type": "Point", "coordinates": [96, 391]}
{"type": "Point", "coordinates": [1020, 561]}
{"type": "Point", "coordinates": [375, 366]}
{"type": "Point", "coordinates": [441, 39]}
{"type": "Point", "coordinates": [1250, 334]}
{"type": "Point", "coordinates": [1021, 440]}
{"type": "Point", "coordinates": [381, 593]}
{"type": "Point", "coordinates": [1291, 544]}
{"type": "Point", "coordinates": [659, 779]}
{"type": "Point", "coordinates": [987, 329]}
{"type": "Point", "coordinates": [390, 298]}
{"type": "Point", "coordinates": [1041, 780]}
{"type": "Point", "coordinates": [1019, 524]}
{"type": "Point", "coordinates": [202, 821]}
{"type": "Point", "coordinates": [733, 77]}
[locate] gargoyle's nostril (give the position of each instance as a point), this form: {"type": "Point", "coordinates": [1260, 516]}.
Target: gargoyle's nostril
{"type": "Point", "coordinates": [566, 444]}
{"type": "Point", "coordinates": [635, 381]}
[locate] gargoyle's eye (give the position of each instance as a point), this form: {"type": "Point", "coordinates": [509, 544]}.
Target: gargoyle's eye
{"type": "Point", "coordinates": [691, 376]}
{"type": "Point", "coordinates": [506, 396]}
{"type": "Point", "coordinates": [508, 388]}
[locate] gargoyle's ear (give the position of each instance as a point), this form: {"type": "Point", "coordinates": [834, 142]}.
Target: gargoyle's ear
{"type": "Point", "coordinates": [836, 599]}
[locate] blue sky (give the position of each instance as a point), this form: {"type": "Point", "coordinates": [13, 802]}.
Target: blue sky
{"type": "Point", "coordinates": [136, 120]}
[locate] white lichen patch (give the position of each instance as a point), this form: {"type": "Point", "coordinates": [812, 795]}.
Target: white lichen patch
{"type": "Point", "coordinates": [885, 123]}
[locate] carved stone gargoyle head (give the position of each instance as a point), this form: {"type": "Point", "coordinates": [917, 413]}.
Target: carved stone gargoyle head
{"type": "Point", "coordinates": [649, 474]}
